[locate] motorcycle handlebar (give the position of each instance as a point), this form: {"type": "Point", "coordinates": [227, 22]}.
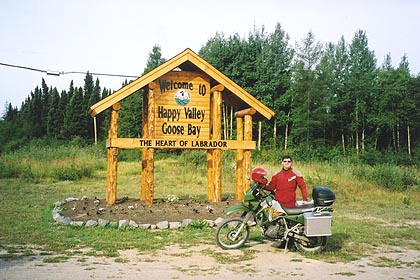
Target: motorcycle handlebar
{"type": "Point", "coordinates": [259, 191]}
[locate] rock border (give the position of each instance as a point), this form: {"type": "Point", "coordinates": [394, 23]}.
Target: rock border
{"type": "Point", "coordinates": [67, 221]}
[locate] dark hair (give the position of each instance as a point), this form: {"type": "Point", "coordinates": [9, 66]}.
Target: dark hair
{"type": "Point", "coordinates": [286, 157]}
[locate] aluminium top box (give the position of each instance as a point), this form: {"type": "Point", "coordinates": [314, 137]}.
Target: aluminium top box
{"type": "Point", "coordinates": [317, 224]}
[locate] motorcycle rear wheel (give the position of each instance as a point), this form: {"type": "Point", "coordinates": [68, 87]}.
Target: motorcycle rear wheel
{"type": "Point", "coordinates": [316, 244]}
{"type": "Point", "coordinates": [232, 234]}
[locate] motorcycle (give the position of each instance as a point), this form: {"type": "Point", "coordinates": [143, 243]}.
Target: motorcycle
{"type": "Point", "coordinates": [305, 226]}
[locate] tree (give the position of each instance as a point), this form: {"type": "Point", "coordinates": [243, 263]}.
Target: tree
{"type": "Point", "coordinates": [54, 120]}
{"type": "Point", "coordinates": [274, 76]}
{"type": "Point", "coordinates": [92, 95]}
{"type": "Point", "coordinates": [8, 126]}
{"type": "Point", "coordinates": [308, 102]}
{"type": "Point", "coordinates": [260, 64]}
{"type": "Point", "coordinates": [408, 113]}
{"type": "Point", "coordinates": [340, 108]}
{"type": "Point", "coordinates": [360, 86]}
{"type": "Point", "coordinates": [411, 104]}
{"type": "Point", "coordinates": [131, 108]}
{"type": "Point", "coordinates": [45, 99]}
{"type": "Point", "coordinates": [155, 59]}
{"type": "Point", "coordinates": [75, 122]}
{"type": "Point", "coordinates": [35, 114]}
{"type": "Point", "coordinates": [326, 87]}
{"type": "Point", "coordinates": [385, 103]}
{"type": "Point", "coordinates": [10, 114]}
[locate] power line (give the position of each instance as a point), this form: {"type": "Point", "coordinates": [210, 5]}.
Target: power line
{"type": "Point", "coordinates": [100, 74]}
{"type": "Point", "coordinates": [58, 73]}
{"type": "Point", "coordinates": [23, 67]}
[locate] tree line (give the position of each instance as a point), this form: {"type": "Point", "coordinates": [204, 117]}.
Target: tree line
{"type": "Point", "coordinates": [46, 112]}
{"type": "Point", "coordinates": [330, 96]}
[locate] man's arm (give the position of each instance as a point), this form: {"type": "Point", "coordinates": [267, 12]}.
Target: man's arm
{"type": "Point", "coordinates": [272, 185]}
{"type": "Point", "coordinates": [302, 185]}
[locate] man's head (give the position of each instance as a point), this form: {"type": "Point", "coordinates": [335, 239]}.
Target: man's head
{"type": "Point", "coordinates": [286, 162]}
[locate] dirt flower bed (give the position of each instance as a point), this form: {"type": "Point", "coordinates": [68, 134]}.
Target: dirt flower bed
{"type": "Point", "coordinates": [171, 209]}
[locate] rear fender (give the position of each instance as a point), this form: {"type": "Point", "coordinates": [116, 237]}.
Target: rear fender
{"type": "Point", "coordinates": [236, 208]}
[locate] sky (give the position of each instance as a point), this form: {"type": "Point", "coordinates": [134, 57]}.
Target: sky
{"type": "Point", "coordinates": [116, 37]}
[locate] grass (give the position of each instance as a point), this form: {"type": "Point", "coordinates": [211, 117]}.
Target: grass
{"type": "Point", "coordinates": [56, 259]}
{"type": "Point", "coordinates": [58, 163]}
{"type": "Point", "coordinates": [367, 215]}
{"type": "Point", "coordinates": [247, 254]}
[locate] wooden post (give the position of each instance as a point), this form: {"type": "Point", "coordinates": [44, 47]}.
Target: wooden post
{"type": "Point", "coordinates": [259, 136]}
{"type": "Point", "coordinates": [112, 157]}
{"type": "Point", "coordinates": [243, 158]}
{"type": "Point", "coordinates": [239, 194]}
{"type": "Point", "coordinates": [247, 153]}
{"type": "Point", "coordinates": [95, 130]}
{"type": "Point", "coordinates": [145, 134]}
{"type": "Point", "coordinates": [214, 192]}
{"type": "Point", "coordinates": [149, 169]}
{"type": "Point", "coordinates": [210, 176]}
{"type": "Point", "coordinates": [210, 163]}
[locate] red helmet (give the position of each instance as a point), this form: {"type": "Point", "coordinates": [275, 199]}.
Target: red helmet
{"type": "Point", "coordinates": [258, 175]}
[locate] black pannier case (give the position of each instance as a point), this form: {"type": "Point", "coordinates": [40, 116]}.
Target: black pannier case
{"type": "Point", "coordinates": [323, 196]}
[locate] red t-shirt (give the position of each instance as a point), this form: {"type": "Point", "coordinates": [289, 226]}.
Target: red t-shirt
{"type": "Point", "coordinates": [284, 183]}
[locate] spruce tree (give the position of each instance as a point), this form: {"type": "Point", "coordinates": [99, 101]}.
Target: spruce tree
{"type": "Point", "coordinates": [53, 118]}
{"type": "Point", "coordinates": [75, 122]}
{"type": "Point", "coordinates": [131, 107]}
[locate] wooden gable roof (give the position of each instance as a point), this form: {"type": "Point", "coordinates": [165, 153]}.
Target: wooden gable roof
{"type": "Point", "coordinates": [190, 61]}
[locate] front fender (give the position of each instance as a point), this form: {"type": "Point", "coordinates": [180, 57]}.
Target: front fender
{"type": "Point", "coordinates": [236, 208]}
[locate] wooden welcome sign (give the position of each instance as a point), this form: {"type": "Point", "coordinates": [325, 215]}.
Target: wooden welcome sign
{"type": "Point", "coordinates": [183, 106]}
{"type": "Point", "coordinates": [182, 110]}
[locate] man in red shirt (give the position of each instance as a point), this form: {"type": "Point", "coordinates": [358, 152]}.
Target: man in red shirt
{"type": "Point", "coordinates": [285, 182]}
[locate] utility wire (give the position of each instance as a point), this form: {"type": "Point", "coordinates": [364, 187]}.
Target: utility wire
{"type": "Point", "coordinates": [23, 67]}
{"type": "Point", "coordinates": [58, 73]}
{"type": "Point", "coordinates": [100, 74]}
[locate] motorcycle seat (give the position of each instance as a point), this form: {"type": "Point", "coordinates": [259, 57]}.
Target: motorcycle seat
{"type": "Point", "coordinates": [297, 210]}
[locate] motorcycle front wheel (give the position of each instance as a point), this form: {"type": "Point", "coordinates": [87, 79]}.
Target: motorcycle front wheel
{"type": "Point", "coordinates": [316, 244]}
{"type": "Point", "coordinates": [232, 233]}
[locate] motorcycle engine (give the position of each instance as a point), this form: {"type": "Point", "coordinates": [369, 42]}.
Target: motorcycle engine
{"type": "Point", "coordinates": [275, 230]}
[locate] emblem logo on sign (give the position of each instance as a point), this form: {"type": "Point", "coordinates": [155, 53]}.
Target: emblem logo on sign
{"type": "Point", "coordinates": [182, 97]}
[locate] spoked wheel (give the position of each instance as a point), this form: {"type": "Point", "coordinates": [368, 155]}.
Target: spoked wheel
{"type": "Point", "coordinates": [316, 244]}
{"type": "Point", "coordinates": [232, 234]}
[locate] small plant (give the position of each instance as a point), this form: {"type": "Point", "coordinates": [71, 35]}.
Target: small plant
{"type": "Point", "coordinates": [193, 199]}
{"type": "Point", "coordinates": [198, 224]}
{"type": "Point", "coordinates": [406, 201]}
{"type": "Point", "coordinates": [160, 200]}
{"type": "Point", "coordinates": [171, 198]}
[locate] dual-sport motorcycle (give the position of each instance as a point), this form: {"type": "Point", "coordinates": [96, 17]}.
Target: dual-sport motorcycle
{"type": "Point", "coordinates": [305, 226]}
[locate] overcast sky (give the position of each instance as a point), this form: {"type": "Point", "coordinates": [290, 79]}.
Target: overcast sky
{"type": "Point", "coordinates": [116, 37]}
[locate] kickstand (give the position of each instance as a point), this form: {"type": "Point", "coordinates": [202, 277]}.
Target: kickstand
{"type": "Point", "coordinates": [285, 247]}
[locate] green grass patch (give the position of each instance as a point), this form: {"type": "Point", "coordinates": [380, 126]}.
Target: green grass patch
{"type": "Point", "coordinates": [223, 258]}
{"type": "Point", "coordinates": [345, 273]}
{"type": "Point", "coordinates": [121, 260]}
{"type": "Point", "coordinates": [56, 259]}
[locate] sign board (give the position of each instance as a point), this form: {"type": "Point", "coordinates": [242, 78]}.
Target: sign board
{"type": "Point", "coordinates": [182, 106]}
{"type": "Point", "coordinates": [133, 143]}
